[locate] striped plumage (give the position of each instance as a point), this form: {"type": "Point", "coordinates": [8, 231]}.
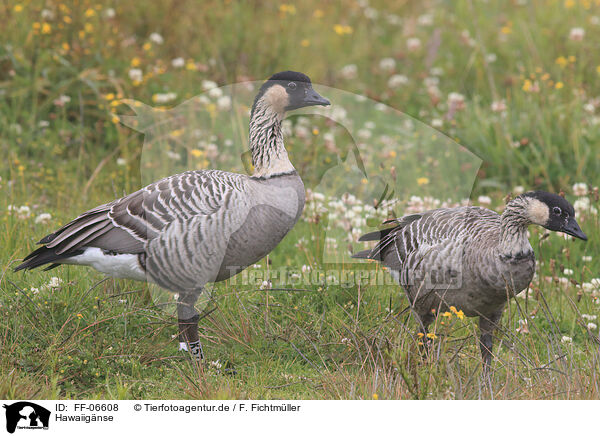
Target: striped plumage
{"type": "Point", "coordinates": [196, 227]}
{"type": "Point", "coordinates": [468, 257]}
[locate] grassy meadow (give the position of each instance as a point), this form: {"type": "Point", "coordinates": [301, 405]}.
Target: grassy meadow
{"type": "Point", "coordinates": [445, 102]}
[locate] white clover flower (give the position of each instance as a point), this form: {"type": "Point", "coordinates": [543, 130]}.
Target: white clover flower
{"type": "Point", "coordinates": [47, 14]}
{"type": "Point", "coordinates": [165, 97]}
{"type": "Point", "coordinates": [591, 326]}
{"type": "Point", "coordinates": [456, 101]}
{"type": "Point", "coordinates": [586, 258]}
{"type": "Point", "coordinates": [22, 212]}
{"type": "Point", "coordinates": [208, 85]}
{"type": "Point", "coordinates": [371, 13]}
{"type": "Point", "coordinates": [425, 20]}
{"type": "Point", "coordinates": [568, 272]}
{"type": "Point", "coordinates": [173, 155]}
{"type": "Point", "coordinates": [301, 131]}
{"type": "Point", "coordinates": [588, 317]}
{"type": "Point", "coordinates": [484, 199]}
{"type": "Point", "coordinates": [54, 282]}
{"type": "Point", "coordinates": [349, 71]}
{"type": "Point", "coordinates": [224, 103]}
{"type": "Point", "coordinates": [393, 19]}
{"type": "Point", "coordinates": [523, 327]}
{"type": "Point", "coordinates": [518, 190]}
{"type": "Point", "coordinates": [364, 134]}
{"type": "Point", "coordinates": [178, 62]}
{"type": "Point", "coordinates": [577, 34]}
{"type": "Point", "coordinates": [136, 74]}
{"type": "Point", "coordinates": [387, 64]}
{"type": "Point", "coordinates": [62, 100]}
{"type": "Point", "coordinates": [266, 284]}
{"type": "Point", "coordinates": [215, 92]}
{"type": "Point", "coordinates": [34, 291]}
{"type": "Point", "coordinates": [413, 44]}
{"type": "Point", "coordinates": [121, 162]}
{"type": "Point", "coordinates": [437, 123]}
{"type": "Point", "coordinates": [580, 189]}
{"type": "Point", "coordinates": [498, 106]}
{"type": "Point", "coordinates": [156, 38]}
{"type": "Point", "coordinates": [491, 58]}
{"type": "Point", "coordinates": [43, 218]}
{"type": "Point", "coordinates": [566, 340]}
{"type": "Point", "coordinates": [212, 151]}
{"type": "Point", "coordinates": [109, 13]}
{"type": "Point", "coordinates": [397, 80]}
{"type": "Point", "coordinates": [306, 268]}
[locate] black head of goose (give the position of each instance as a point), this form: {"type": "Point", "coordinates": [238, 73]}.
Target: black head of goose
{"type": "Point", "coordinates": [468, 257]}
{"type": "Point", "coordinates": [197, 227]}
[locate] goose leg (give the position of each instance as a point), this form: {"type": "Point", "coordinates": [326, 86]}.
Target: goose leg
{"type": "Point", "coordinates": [188, 318]}
{"type": "Point", "coordinates": [487, 325]}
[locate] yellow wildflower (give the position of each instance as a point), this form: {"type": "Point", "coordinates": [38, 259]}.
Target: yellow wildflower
{"type": "Point", "coordinates": [527, 85]}
{"type": "Point", "coordinates": [559, 85]}
{"type": "Point", "coordinates": [196, 153]}
{"type": "Point", "coordinates": [420, 334]}
{"type": "Point", "coordinates": [431, 336]}
{"type": "Point", "coordinates": [90, 12]}
{"type": "Point", "coordinates": [67, 19]}
{"type": "Point", "coordinates": [46, 29]}
{"type": "Point", "coordinates": [460, 314]}
{"type": "Point", "coordinates": [79, 315]}
{"type": "Point", "coordinates": [569, 4]}
{"type": "Point", "coordinates": [452, 309]}
{"type": "Point", "coordinates": [305, 43]}
{"type": "Point", "coordinates": [561, 61]}
{"type": "Point", "coordinates": [287, 9]}
{"type": "Point", "coordinates": [375, 396]}
{"type": "Point", "coordinates": [88, 27]}
{"type": "Point", "coordinates": [422, 181]}
{"type": "Point", "coordinates": [447, 314]}
{"type": "Point", "coordinates": [342, 29]}
{"type": "Point", "coordinates": [18, 8]}
{"type": "Point", "coordinates": [315, 131]}
{"type": "Point", "coordinates": [318, 13]}
{"type": "Point", "coordinates": [110, 96]}
{"type": "Point", "coordinates": [135, 62]}
{"type": "Point", "coordinates": [506, 30]}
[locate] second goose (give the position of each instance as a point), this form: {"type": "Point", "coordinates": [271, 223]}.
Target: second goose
{"type": "Point", "coordinates": [468, 257]}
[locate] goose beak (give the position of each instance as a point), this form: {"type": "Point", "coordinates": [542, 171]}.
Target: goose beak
{"type": "Point", "coordinates": [573, 229]}
{"type": "Point", "coordinates": [312, 98]}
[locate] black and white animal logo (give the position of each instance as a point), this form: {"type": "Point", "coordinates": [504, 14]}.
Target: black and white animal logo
{"type": "Point", "coordinates": [26, 415]}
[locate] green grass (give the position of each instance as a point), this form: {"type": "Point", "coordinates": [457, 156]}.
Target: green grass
{"type": "Point", "coordinates": [96, 338]}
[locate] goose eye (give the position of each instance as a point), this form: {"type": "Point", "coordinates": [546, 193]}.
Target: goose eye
{"type": "Point", "coordinates": [556, 210]}
{"type": "Point", "coordinates": [292, 85]}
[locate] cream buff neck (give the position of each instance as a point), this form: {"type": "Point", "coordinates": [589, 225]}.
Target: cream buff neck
{"type": "Point", "coordinates": [518, 215]}
{"type": "Point", "coordinates": [269, 156]}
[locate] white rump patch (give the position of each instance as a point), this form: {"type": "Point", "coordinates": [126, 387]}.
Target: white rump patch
{"type": "Point", "coordinates": [121, 266]}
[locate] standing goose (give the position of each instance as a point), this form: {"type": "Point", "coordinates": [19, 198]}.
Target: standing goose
{"type": "Point", "coordinates": [197, 227]}
{"type": "Point", "coordinates": [468, 257]}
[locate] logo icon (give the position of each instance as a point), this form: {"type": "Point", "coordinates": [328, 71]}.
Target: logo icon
{"type": "Point", "coordinates": [26, 415]}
